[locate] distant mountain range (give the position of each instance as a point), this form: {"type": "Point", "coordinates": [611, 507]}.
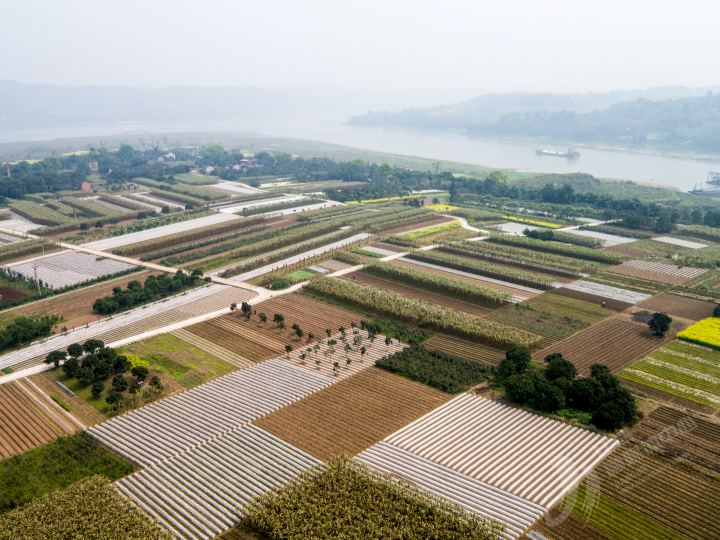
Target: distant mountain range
{"type": "Point", "coordinates": [668, 117]}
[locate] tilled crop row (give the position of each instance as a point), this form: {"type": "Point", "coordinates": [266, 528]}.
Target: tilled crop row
{"type": "Point", "coordinates": [548, 340]}
{"type": "Point", "coordinates": [20, 428]}
{"type": "Point", "coordinates": [465, 349]}
{"type": "Point", "coordinates": [233, 343]}
{"type": "Point", "coordinates": [679, 306]}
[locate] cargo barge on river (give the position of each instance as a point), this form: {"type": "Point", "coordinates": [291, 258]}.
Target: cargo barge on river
{"type": "Point", "coordinates": [571, 153]}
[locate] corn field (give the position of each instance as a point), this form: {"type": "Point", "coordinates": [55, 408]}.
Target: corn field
{"type": "Point", "coordinates": [25, 247]}
{"type": "Point", "coordinates": [393, 305]}
{"type": "Point", "coordinates": [39, 214]}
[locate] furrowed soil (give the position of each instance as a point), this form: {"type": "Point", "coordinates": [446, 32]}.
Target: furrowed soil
{"type": "Point", "coordinates": [235, 342]}
{"type": "Point", "coordinates": [659, 395]}
{"type": "Point", "coordinates": [571, 528]}
{"type": "Point", "coordinates": [476, 281]}
{"type": "Point", "coordinates": [672, 495]}
{"type": "Point", "coordinates": [646, 274]}
{"type": "Point", "coordinates": [679, 306]}
{"type": "Point", "coordinates": [415, 294]}
{"type": "Point", "coordinates": [616, 342]}
{"type": "Point", "coordinates": [20, 427]}
{"type": "Point", "coordinates": [353, 414]}
{"type": "Point", "coordinates": [465, 349]}
{"type": "Point", "coordinates": [555, 313]}
{"type": "Point", "coordinates": [6, 293]}
{"type": "Point", "coordinates": [548, 339]}
{"type": "Point", "coordinates": [610, 303]}
{"type": "Point", "coordinates": [677, 434]}
{"type": "Point", "coordinates": [75, 307]}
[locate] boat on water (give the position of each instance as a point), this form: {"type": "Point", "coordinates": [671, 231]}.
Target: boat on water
{"type": "Point", "coordinates": [571, 153]}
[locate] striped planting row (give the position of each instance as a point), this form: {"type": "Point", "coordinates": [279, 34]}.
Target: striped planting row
{"type": "Point", "coordinates": [18, 223]}
{"type": "Point", "coordinates": [34, 354]}
{"type": "Point", "coordinates": [157, 232]}
{"type": "Point", "coordinates": [259, 204]}
{"type": "Point", "coordinates": [70, 269]}
{"type": "Point", "coordinates": [517, 514]}
{"type": "Point", "coordinates": [297, 258]}
{"type": "Point", "coordinates": [606, 291]}
{"type": "Point", "coordinates": [209, 347]}
{"type": "Point", "coordinates": [667, 269]}
{"type": "Point", "coordinates": [373, 351]}
{"type": "Point", "coordinates": [169, 427]}
{"type": "Point", "coordinates": [215, 302]}
{"type": "Point", "coordinates": [197, 494]}
{"type": "Point", "coordinates": [678, 242]}
{"type": "Point", "coordinates": [526, 455]}
{"type": "Point", "coordinates": [154, 200]}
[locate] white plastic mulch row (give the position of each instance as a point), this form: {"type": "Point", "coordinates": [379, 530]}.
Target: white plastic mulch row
{"type": "Point", "coordinates": [606, 291]}
{"type": "Point", "coordinates": [681, 243]}
{"type": "Point", "coordinates": [9, 239]}
{"type": "Point", "coordinates": [70, 269]}
{"type": "Point", "coordinates": [526, 455]}
{"type": "Point", "coordinates": [141, 203]}
{"type": "Point", "coordinates": [217, 301]}
{"type": "Point", "coordinates": [609, 239]}
{"type": "Point", "coordinates": [318, 270]}
{"type": "Point", "coordinates": [174, 425]}
{"type": "Point", "coordinates": [210, 347]}
{"type": "Point", "coordinates": [475, 276]}
{"type": "Point", "coordinates": [197, 495]}
{"type": "Point", "coordinates": [322, 361]}
{"type": "Point", "coordinates": [297, 258]}
{"type": "Point", "coordinates": [228, 186]}
{"type": "Point", "coordinates": [511, 227]}
{"type": "Point", "coordinates": [58, 342]}
{"type": "Point", "coordinates": [157, 232]}
{"type": "Point", "coordinates": [517, 514]}
{"type": "Point", "coordinates": [19, 223]}
{"type": "Point", "coordinates": [667, 269]}
{"type": "Point", "coordinates": [379, 251]}
{"type": "Point", "coordinates": [160, 202]}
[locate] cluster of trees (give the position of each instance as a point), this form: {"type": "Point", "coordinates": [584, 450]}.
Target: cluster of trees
{"type": "Point", "coordinates": [154, 289]}
{"type": "Point", "coordinates": [92, 362]}
{"type": "Point", "coordinates": [25, 329]}
{"type": "Point", "coordinates": [557, 387]}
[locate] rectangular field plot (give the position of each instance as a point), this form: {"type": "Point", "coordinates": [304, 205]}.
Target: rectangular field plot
{"type": "Point", "coordinates": [605, 291]}
{"type": "Point", "coordinates": [171, 426]}
{"type": "Point", "coordinates": [668, 269]}
{"type": "Point", "coordinates": [465, 349]}
{"type": "Point", "coordinates": [679, 306]}
{"type": "Point", "coordinates": [615, 342]}
{"type": "Point", "coordinates": [222, 333]}
{"type": "Point", "coordinates": [353, 414]}
{"type": "Point", "coordinates": [678, 242]}
{"type": "Point", "coordinates": [209, 347]}
{"type": "Point", "coordinates": [140, 236]}
{"type": "Point", "coordinates": [511, 452]}
{"type": "Point", "coordinates": [609, 239]}
{"type": "Point", "coordinates": [69, 269]}
{"type": "Point", "coordinates": [196, 495]}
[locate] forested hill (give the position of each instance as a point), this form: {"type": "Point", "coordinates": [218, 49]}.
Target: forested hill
{"type": "Point", "coordinates": [687, 123]}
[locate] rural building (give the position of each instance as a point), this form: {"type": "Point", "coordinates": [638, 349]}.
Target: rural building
{"type": "Point", "coordinates": [85, 186]}
{"type": "Point", "coordinates": [91, 163]}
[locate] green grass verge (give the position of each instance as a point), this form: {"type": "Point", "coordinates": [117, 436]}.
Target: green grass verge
{"type": "Point", "coordinates": [667, 389]}
{"type": "Point", "coordinates": [56, 465]}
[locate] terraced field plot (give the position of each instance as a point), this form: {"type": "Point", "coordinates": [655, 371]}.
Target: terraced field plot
{"type": "Point", "coordinates": [415, 294]}
{"type": "Point", "coordinates": [501, 450]}
{"type": "Point", "coordinates": [679, 306]}
{"type": "Point", "coordinates": [353, 414]}
{"type": "Point", "coordinates": [70, 268]}
{"type": "Point", "coordinates": [21, 427]}
{"type": "Point", "coordinates": [615, 342]}
{"type": "Point", "coordinates": [678, 434]}
{"type": "Point", "coordinates": [693, 376]}
{"type": "Point", "coordinates": [176, 424]}
{"type": "Point", "coordinates": [196, 495]}
{"type": "Point", "coordinates": [465, 349]}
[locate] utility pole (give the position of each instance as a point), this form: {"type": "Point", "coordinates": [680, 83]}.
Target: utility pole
{"type": "Point", "coordinates": [37, 283]}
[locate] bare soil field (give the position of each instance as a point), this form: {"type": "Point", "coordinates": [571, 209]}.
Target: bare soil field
{"type": "Point", "coordinates": [700, 445]}
{"type": "Point", "coordinates": [75, 307]}
{"type": "Point", "coordinates": [679, 306]}
{"type": "Point", "coordinates": [415, 294]}
{"type": "Point", "coordinates": [21, 428]}
{"type": "Point", "coordinates": [646, 274]}
{"type": "Point", "coordinates": [352, 414]}
{"type": "Point", "coordinates": [627, 251]}
{"type": "Point", "coordinates": [616, 342]}
{"type": "Point", "coordinates": [610, 303]}
{"type": "Point", "coordinates": [476, 281]}
{"type": "Point", "coordinates": [465, 349]}
{"type": "Point", "coordinates": [675, 496]}
{"type": "Point", "coordinates": [232, 342]}
{"type": "Point", "coordinates": [6, 293]}
{"type": "Point", "coordinates": [335, 266]}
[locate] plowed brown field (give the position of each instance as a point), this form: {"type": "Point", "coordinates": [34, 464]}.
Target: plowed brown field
{"type": "Point", "coordinates": [548, 339]}
{"type": "Point", "coordinates": [21, 428]}
{"type": "Point", "coordinates": [699, 445]}
{"type": "Point", "coordinates": [610, 303]}
{"type": "Point", "coordinates": [233, 342]}
{"type": "Point", "coordinates": [465, 349]}
{"type": "Point", "coordinates": [679, 306]}
{"type": "Point", "coordinates": [615, 342]}
{"type": "Point", "coordinates": [415, 294]}
{"type": "Point", "coordinates": [352, 414]}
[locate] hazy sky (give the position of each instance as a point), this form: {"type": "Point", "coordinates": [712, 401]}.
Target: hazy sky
{"type": "Point", "coordinates": [480, 46]}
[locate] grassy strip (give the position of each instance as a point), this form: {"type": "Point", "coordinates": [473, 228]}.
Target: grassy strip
{"type": "Point", "coordinates": [432, 230]}
{"type": "Point", "coordinates": [60, 402]}
{"type": "Point", "coordinates": [700, 352]}
{"type": "Point", "coordinates": [677, 377]}
{"type": "Point", "coordinates": [56, 465]}
{"type": "Point", "coordinates": [533, 222]}
{"type": "Point", "coordinates": [393, 305]}
{"type": "Point", "coordinates": [615, 232]}
{"type": "Point", "coordinates": [430, 281]}
{"type": "Point", "coordinates": [364, 505]}
{"type": "Point", "coordinates": [434, 368]}
{"type": "Point", "coordinates": [578, 252]}
{"type": "Point", "coordinates": [687, 363]}
{"type": "Point", "coordinates": [482, 268]}
{"type": "Point", "coordinates": [667, 389]}
{"type": "Point", "coordinates": [90, 509]}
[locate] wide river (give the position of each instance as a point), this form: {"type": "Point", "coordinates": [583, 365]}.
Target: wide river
{"type": "Point", "coordinates": [519, 155]}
